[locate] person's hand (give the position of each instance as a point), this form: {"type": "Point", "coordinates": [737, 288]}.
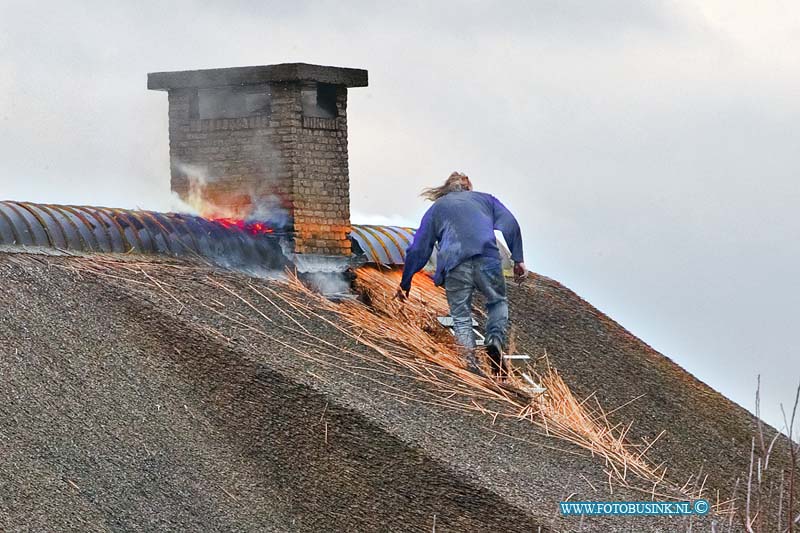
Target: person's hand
{"type": "Point", "coordinates": [401, 294]}
{"type": "Point", "coordinates": [520, 272]}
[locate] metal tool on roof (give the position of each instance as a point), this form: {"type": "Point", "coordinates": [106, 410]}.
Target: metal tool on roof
{"type": "Point", "coordinates": [534, 388]}
{"type": "Point", "coordinates": [447, 321]}
{"type": "Point", "coordinates": [518, 362]}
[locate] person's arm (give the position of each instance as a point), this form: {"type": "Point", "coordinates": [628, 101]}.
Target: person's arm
{"type": "Point", "coordinates": [419, 252]}
{"type": "Point", "coordinates": [509, 227]}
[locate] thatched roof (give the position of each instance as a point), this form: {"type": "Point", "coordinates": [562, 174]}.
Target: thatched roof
{"type": "Point", "coordinates": [152, 396]}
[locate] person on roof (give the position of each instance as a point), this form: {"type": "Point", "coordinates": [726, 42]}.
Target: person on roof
{"type": "Point", "coordinates": [462, 222]}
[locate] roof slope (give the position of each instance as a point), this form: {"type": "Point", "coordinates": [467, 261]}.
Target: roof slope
{"type": "Point", "coordinates": [157, 398]}
{"type": "Point", "coordinates": [706, 434]}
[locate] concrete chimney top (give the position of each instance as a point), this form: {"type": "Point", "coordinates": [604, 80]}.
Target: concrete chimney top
{"type": "Point", "coordinates": [284, 72]}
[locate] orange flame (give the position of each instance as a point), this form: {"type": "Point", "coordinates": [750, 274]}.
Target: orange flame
{"type": "Point", "coordinates": [253, 228]}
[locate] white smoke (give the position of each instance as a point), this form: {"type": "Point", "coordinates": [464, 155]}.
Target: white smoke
{"type": "Point", "coordinates": [196, 200]}
{"type": "Point", "coordinates": [264, 207]}
{"type": "Point", "coordinates": [268, 209]}
{"type": "Point", "coordinates": [175, 204]}
{"type": "Point", "coordinates": [325, 274]}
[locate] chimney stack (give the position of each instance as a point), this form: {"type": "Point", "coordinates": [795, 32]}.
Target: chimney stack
{"type": "Point", "coordinates": [266, 143]}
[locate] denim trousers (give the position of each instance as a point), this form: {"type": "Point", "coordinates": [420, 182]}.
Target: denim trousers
{"type": "Point", "coordinates": [486, 275]}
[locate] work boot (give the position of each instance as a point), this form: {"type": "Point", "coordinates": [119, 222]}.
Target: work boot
{"type": "Point", "coordinates": [473, 366]}
{"type": "Point", "coordinates": [494, 349]}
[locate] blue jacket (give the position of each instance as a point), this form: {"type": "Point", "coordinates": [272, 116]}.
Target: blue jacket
{"type": "Point", "coordinates": [463, 223]}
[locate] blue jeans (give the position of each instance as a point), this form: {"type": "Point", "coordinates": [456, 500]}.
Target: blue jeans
{"type": "Point", "coordinates": [486, 275]}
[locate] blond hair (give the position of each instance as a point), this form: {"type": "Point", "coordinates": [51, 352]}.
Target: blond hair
{"type": "Point", "coordinates": [455, 182]}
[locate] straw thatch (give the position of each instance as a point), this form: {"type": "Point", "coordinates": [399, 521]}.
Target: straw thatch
{"type": "Point", "coordinates": [147, 395]}
{"type": "Point", "coordinates": [409, 333]}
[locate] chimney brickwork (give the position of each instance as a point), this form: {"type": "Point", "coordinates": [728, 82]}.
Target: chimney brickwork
{"type": "Point", "coordinates": [315, 150]}
{"type": "Point", "coordinates": [285, 161]}
{"type": "Point", "coordinates": [229, 162]}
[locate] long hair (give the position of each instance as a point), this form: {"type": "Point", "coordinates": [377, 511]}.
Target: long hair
{"type": "Point", "coordinates": [454, 183]}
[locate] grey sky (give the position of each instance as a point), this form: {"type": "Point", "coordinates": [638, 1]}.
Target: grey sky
{"type": "Point", "coordinates": [649, 149]}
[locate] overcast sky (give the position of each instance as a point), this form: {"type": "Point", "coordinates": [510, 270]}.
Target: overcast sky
{"type": "Point", "coordinates": [649, 149]}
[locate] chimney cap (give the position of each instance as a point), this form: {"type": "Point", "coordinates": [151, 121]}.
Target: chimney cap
{"type": "Point", "coordinates": [225, 77]}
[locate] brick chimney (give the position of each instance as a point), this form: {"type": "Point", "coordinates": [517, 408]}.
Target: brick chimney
{"type": "Point", "coordinates": [268, 142]}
